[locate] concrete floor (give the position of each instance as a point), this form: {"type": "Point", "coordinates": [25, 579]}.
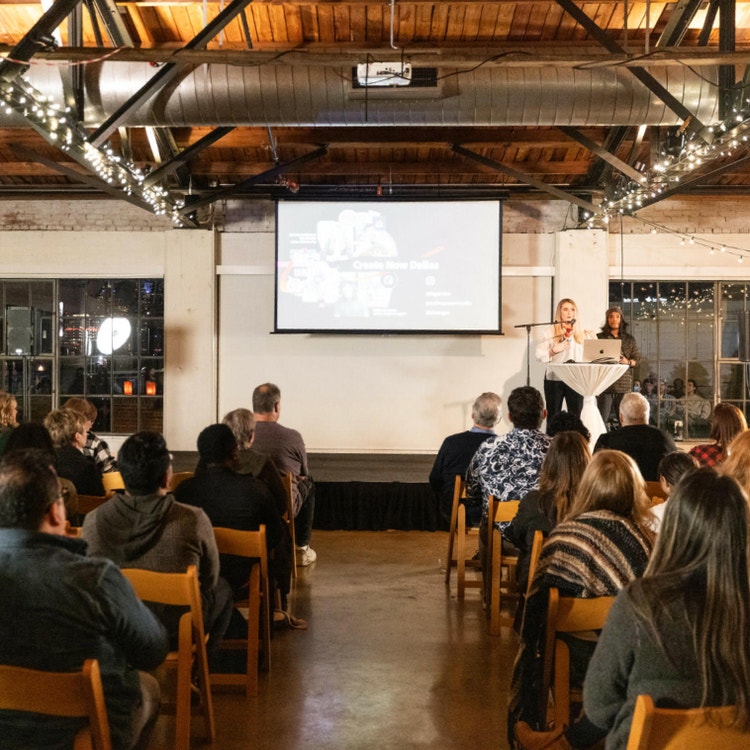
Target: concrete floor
{"type": "Point", "coordinates": [389, 661]}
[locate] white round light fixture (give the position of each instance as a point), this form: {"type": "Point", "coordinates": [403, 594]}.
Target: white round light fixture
{"type": "Point", "coordinates": [112, 334]}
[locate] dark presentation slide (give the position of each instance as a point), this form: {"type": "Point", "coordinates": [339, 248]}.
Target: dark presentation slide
{"type": "Point", "coordinates": [388, 266]}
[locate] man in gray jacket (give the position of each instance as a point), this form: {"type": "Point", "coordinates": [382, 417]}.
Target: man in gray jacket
{"type": "Point", "coordinates": [145, 527]}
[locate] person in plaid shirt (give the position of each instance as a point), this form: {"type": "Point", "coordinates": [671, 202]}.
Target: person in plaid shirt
{"type": "Point", "coordinates": [95, 446]}
{"type": "Point", "coordinates": [727, 422]}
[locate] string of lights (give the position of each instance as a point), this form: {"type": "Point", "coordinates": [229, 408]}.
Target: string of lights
{"type": "Point", "coordinates": [57, 125]}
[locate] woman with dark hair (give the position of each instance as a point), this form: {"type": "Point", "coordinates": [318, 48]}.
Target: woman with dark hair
{"type": "Point", "coordinates": [681, 633]}
{"type": "Point", "coordinates": [540, 509]}
{"type": "Point", "coordinates": [671, 469]}
{"type": "Point", "coordinates": [616, 328]}
{"type": "Point", "coordinates": [726, 423]}
{"type": "Point", "coordinates": [603, 544]}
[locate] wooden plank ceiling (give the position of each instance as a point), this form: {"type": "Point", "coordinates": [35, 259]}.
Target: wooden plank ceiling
{"type": "Point", "coordinates": [376, 159]}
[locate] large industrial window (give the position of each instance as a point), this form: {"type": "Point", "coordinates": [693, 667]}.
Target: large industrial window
{"type": "Point", "coordinates": [101, 339]}
{"type": "Point", "coordinates": [687, 331]}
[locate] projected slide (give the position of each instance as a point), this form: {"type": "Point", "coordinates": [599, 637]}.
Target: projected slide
{"type": "Point", "coordinates": [388, 266]}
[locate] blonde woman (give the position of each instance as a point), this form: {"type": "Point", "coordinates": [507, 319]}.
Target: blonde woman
{"type": "Point", "coordinates": [562, 342]}
{"type": "Point", "coordinates": [603, 544]}
{"type": "Point", "coordinates": [8, 414]}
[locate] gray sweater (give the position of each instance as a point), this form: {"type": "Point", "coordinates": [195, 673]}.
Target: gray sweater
{"type": "Point", "coordinates": [628, 662]}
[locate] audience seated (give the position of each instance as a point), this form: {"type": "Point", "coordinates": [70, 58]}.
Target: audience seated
{"type": "Point", "coordinates": [507, 466]}
{"type": "Point", "coordinates": [541, 509]}
{"type": "Point", "coordinates": [95, 446]}
{"type": "Point", "coordinates": [249, 461]}
{"type": "Point", "coordinates": [8, 417]}
{"type": "Point", "coordinates": [457, 450]}
{"type": "Point", "coordinates": [644, 443]}
{"type": "Point", "coordinates": [680, 633]}
{"type": "Point", "coordinates": [671, 469]}
{"type": "Point", "coordinates": [145, 527]}
{"type": "Point", "coordinates": [237, 501]}
{"type": "Point", "coordinates": [601, 545]}
{"type": "Point", "coordinates": [287, 449]}
{"type": "Point", "coordinates": [60, 609]}
{"type": "Point", "coordinates": [68, 432]}
{"type": "Point", "coordinates": [726, 423]}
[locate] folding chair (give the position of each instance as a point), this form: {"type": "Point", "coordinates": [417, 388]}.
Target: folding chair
{"type": "Point", "coordinates": [177, 478]}
{"type": "Point", "coordinates": [181, 589]}
{"type": "Point", "coordinates": [683, 729]}
{"type": "Point", "coordinates": [288, 482]}
{"type": "Point", "coordinates": [500, 588]}
{"type": "Point", "coordinates": [457, 533]}
{"type": "Point", "coordinates": [112, 481]}
{"type": "Point", "coordinates": [73, 694]}
{"type": "Point", "coordinates": [567, 615]}
{"type": "Point", "coordinates": [250, 544]}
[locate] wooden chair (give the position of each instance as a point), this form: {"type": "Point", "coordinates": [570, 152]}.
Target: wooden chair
{"type": "Point", "coordinates": [501, 588]}
{"type": "Point", "coordinates": [567, 615]}
{"type": "Point", "coordinates": [534, 554]}
{"type": "Point", "coordinates": [73, 694]}
{"type": "Point", "coordinates": [655, 492]}
{"type": "Point", "coordinates": [683, 729]}
{"type": "Point", "coordinates": [457, 534]}
{"type": "Point", "coordinates": [181, 589]}
{"type": "Point", "coordinates": [177, 478]}
{"type": "Point", "coordinates": [249, 544]}
{"type": "Point", "coordinates": [288, 482]}
{"type": "Point", "coordinates": [112, 481]}
{"type": "Point", "coordinates": [87, 503]}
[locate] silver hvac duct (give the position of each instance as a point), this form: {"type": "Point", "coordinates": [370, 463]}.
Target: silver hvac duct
{"type": "Point", "coordinates": [283, 95]}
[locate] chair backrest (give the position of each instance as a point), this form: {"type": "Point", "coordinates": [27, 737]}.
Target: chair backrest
{"type": "Point", "coordinates": [536, 551]}
{"type": "Point", "coordinates": [87, 503]}
{"type": "Point", "coordinates": [176, 589]}
{"type": "Point", "coordinates": [73, 694]}
{"type": "Point", "coordinates": [177, 478]}
{"type": "Point", "coordinates": [112, 481]}
{"type": "Point", "coordinates": [499, 512]}
{"type": "Point", "coordinates": [655, 492]}
{"type": "Point", "coordinates": [683, 729]}
{"type": "Point", "coordinates": [244, 544]}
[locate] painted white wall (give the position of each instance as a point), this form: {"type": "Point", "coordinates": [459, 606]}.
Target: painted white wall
{"type": "Point", "coordinates": [186, 261]}
{"type": "Point", "coordinates": [374, 393]}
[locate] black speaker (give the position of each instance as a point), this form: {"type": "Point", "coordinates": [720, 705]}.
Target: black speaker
{"type": "Point", "coordinates": [743, 331]}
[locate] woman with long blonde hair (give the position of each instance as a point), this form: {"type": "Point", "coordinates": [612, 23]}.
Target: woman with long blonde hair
{"type": "Point", "coordinates": [727, 422]}
{"type": "Point", "coordinates": [562, 342]}
{"type": "Point", "coordinates": [603, 544]}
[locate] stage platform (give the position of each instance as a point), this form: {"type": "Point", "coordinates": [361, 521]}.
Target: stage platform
{"type": "Point", "coordinates": [365, 492]}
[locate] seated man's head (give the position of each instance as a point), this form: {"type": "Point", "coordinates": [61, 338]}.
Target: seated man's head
{"type": "Point", "coordinates": [242, 424]}
{"type": "Point", "coordinates": [30, 495]}
{"type": "Point", "coordinates": [526, 408]}
{"type": "Point", "coordinates": [486, 410]}
{"type": "Point", "coordinates": [145, 463]}
{"type": "Point", "coordinates": [266, 399]}
{"type": "Point", "coordinates": [216, 446]}
{"type": "Point", "coordinates": [634, 409]}
{"type": "Point", "coordinates": [66, 427]}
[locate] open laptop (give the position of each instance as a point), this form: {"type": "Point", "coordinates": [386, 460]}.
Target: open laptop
{"type": "Point", "coordinates": [602, 351]}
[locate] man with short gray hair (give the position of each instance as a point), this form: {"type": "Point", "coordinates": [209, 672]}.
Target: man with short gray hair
{"type": "Point", "coordinates": [457, 450]}
{"type": "Point", "coordinates": [647, 445]}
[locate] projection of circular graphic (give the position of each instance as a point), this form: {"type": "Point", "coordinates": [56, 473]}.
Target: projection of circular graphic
{"type": "Point", "coordinates": [113, 333]}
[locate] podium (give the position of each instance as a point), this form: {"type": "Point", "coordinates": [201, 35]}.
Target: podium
{"type": "Point", "coordinates": [589, 380]}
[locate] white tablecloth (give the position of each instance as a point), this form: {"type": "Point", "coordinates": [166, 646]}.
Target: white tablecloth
{"type": "Point", "coordinates": [589, 380]}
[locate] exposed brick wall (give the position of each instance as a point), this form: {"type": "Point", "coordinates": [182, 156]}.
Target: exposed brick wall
{"type": "Point", "coordinates": [689, 215]}
{"type": "Point", "coordinates": [74, 215]}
